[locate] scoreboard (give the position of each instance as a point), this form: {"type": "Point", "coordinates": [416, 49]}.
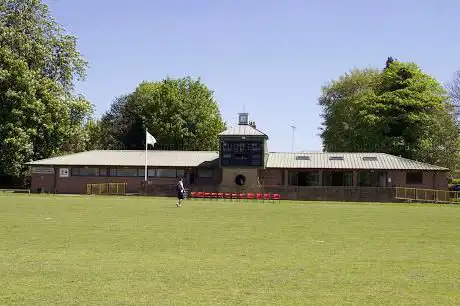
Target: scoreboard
{"type": "Point", "coordinates": [242, 153]}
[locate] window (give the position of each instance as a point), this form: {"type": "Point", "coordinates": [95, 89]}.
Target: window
{"type": "Point", "coordinates": [293, 178]}
{"type": "Point", "coordinates": [43, 170]}
{"type": "Point", "coordinates": [371, 179]}
{"type": "Point", "coordinates": [126, 172]}
{"type": "Point", "coordinates": [366, 179]}
{"type": "Point", "coordinates": [370, 158]}
{"type": "Point", "coordinates": [336, 158]}
{"type": "Point", "coordinates": [180, 173]}
{"type": "Point", "coordinates": [414, 177]}
{"type": "Point", "coordinates": [303, 178]}
{"type": "Point", "coordinates": [166, 173]}
{"type": "Point", "coordinates": [205, 173]}
{"type": "Point", "coordinates": [302, 157]}
{"type": "Point", "coordinates": [89, 171]}
{"type": "Point", "coordinates": [103, 172]}
{"type": "Point", "coordinates": [85, 171]}
{"type": "Point", "coordinates": [113, 172]}
{"type": "Point", "coordinates": [332, 178]}
{"type": "Point", "coordinates": [150, 172]}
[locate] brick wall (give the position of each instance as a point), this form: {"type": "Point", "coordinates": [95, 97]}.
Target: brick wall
{"type": "Point", "coordinates": [77, 184]}
{"type": "Point", "coordinates": [431, 180]}
{"type": "Point", "coordinates": [215, 180]}
{"type": "Point", "coordinates": [272, 177]}
{"type": "Point", "coordinates": [45, 181]}
{"type": "Point", "coordinates": [343, 194]}
{"type": "Point", "coordinates": [354, 194]}
{"type": "Point", "coordinates": [229, 175]}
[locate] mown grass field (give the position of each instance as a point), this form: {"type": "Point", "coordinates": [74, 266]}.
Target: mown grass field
{"type": "Point", "coordinates": [72, 250]}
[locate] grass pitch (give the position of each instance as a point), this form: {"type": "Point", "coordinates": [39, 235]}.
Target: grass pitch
{"type": "Point", "coordinates": [67, 250]}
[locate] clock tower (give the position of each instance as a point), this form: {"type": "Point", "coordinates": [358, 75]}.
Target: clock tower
{"type": "Point", "coordinates": [242, 151]}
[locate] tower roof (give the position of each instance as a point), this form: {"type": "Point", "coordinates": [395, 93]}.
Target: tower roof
{"type": "Point", "coordinates": [244, 128]}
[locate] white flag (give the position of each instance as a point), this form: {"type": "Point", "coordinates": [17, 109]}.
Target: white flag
{"type": "Point", "coordinates": [149, 139]}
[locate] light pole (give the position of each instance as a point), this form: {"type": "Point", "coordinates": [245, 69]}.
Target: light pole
{"type": "Point", "coordinates": [293, 135]}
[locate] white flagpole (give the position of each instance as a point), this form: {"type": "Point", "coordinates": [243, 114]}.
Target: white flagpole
{"type": "Point", "coordinates": [146, 144]}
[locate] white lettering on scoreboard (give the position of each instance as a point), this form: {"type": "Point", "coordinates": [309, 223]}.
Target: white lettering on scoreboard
{"type": "Point", "coordinates": [43, 170]}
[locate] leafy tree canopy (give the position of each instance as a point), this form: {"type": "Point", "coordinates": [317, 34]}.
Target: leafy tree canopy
{"type": "Point", "coordinates": [180, 113]}
{"type": "Point", "coordinates": [40, 117]}
{"type": "Point", "coordinates": [398, 110]}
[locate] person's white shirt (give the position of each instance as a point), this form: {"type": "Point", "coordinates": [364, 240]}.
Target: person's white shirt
{"type": "Point", "coordinates": [181, 185]}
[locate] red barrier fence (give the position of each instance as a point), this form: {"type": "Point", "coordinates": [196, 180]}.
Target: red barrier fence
{"type": "Point", "coordinates": [235, 196]}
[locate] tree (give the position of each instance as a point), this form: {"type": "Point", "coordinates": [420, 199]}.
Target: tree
{"type": "Point", "coordinates": [342, 102]}
{"type": "Point", "coordinates": [399, 110]}
{"type": "Point", "coordinates": [116, 125]}
{"type": "Point", "coordinates": [39, 63]}
{"type": "Point", "coordinates": [453, 88]}
{"type": "Point", "coordinates": [93, 129]}
{"type": "Point", "coordinates": [180, 113]}
{"type": "Point", "coordinates": [80, 125]}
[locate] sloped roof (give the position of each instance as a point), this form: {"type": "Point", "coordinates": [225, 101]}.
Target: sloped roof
{"type": "Point", "coordinates": [243, 130]}
{"type": "Point", "coordinates": [322, 160]}
{"type": "Point", "coordinates": [135, 158]}
{"type": "Point", "coordinates": [312, 160]}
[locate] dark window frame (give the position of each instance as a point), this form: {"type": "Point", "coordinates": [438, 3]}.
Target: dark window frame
{"type": "Point", "coordinates": [347, 177]}
{"type": "Point", "coordinates": [158, 171]}
{"type": "Point", "coordinates": [76, 171]}
{"type": "Point", "coordinates": [107, 171]}
{"type": "Point", "coordinates": [141, 172]}
{"type": "Point", "coordinates": [126, 169]}
{"type": "Point", "coordinates": [304, 178]}
{"type": "Point", "coordinates": [371, 178]}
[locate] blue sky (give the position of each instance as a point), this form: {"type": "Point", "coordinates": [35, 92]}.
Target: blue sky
{"type": "Point", "coordinates": [272, 57]}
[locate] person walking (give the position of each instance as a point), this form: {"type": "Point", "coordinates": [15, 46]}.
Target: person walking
{"type": "Point", "coordinates": [180, 192]}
